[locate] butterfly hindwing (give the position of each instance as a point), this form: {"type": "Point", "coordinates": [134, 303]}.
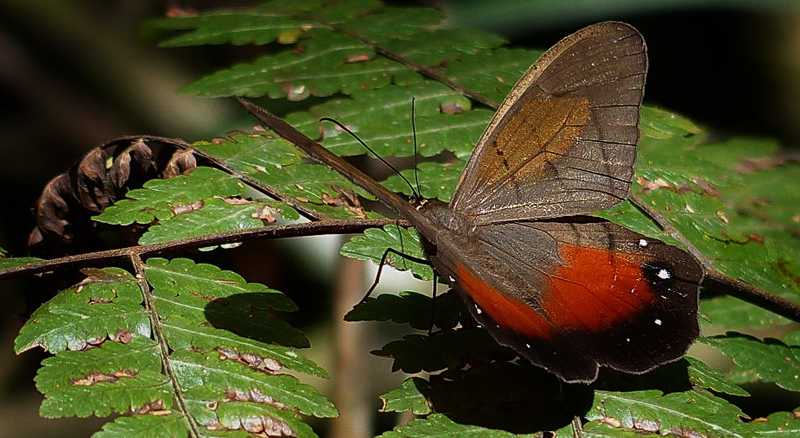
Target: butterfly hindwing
{"type": "Point", "coordinates": [573, 295]}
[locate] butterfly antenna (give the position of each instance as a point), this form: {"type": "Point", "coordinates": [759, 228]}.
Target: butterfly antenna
{"type": "Point", "coordinates": [414, 133]}
{"type": "Point", "coordinates": [347, 130]}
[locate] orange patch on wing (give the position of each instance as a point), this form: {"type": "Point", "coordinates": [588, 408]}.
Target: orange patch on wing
{"type": "Point", "coordinates": [595, 289]}
{"type": "Point", "coordinates": [508, 312]}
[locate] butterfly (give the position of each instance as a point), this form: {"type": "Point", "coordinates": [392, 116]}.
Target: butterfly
{"type": "Point", "coordinates": [569, 292]}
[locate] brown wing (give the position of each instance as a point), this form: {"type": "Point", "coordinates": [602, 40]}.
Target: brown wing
{"type": "Point", "coordinates": [564, 140]}
{"type": "Point", "coordinates": [573, 296]}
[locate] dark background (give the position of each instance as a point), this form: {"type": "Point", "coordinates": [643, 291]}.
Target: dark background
{"type": "Point", "coordinates": [75, 74]}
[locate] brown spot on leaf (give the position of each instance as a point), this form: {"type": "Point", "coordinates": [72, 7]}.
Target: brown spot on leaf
{"type": "Point", "coordinates": [253, 395]}
{"type": "Point", "coordinates": [153, 408]}
{"type": "Point", "coordinates": [122, 336]}
{"type": "Point", "coordinates": [644, 425]}
{"type": "Point", "coordinates": [650, 185]}
{"type": "Point", "coordinates": [187, 208]}
{"type": "Point", "coordinates": [295, 92]}
{"type": "Point", "coordinates": [227, 354]}
{"type": "Point", "coordinates": [358, 58]}
{"type": "Point", "coordinates": [611, 421]}
{"type": "Point", "coordinates": [754, 165]}
{"type": "Point", "coordinates": [272, 365]}
{"type": "Point", "coordinates": [707, 187]}
{"type": "Point", "coordinates": [220, 301]}
{"type": "Point", "coordinates": [757, 238]}
{"type": "Point", "coordinates": [452, 108]}
{"type": "Point", "coordinates": [237, 201]}
{"type": "Point", "coordinates": [266, 426]}
{"type": "Point", "coordinates": [258, 363]}
{"type": "Point", "coordinates": [685, 433]}
{"type": "Point", "coordinates": [95, 377]}
{"type": "Point", "coordinates": [266, 214]}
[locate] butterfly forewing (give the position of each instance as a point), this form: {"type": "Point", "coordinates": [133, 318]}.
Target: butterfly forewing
{"type": "Point", "coordinates": [564, 141]}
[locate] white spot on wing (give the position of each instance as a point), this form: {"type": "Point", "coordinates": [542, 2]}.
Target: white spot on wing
{"type": "Point", "coordinates": [658, 321]}
{"type": "Point", "coordinates": [452, 280]}
{"type": "Point", "coordinates": [664, 274]}
{"type": "Point", "coordinates": [478, 309]}
{"type": "Point", "coordinates": [642, 242]}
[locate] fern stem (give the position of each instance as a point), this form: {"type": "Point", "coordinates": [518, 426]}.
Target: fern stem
{"type": "Point", "coordinates": [155, 323]}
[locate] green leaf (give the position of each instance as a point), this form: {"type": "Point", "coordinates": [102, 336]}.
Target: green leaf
{"type": "Point", "coordinates": [207, 376]}
{"type": "Point", "coordinates": [17, 262]}
{"type": "Point", "coordinates": [374, 242]}
{"type": "Point", "coordinates": [326, 60]}
{"type": "Point", "coordinates": [409, 397]}
{"type": "Point", "coordinates": [146, 426]}
{"type": "Point", "coordinates": [206, 294]}
{"type": "Point", "coordinates": [382, 119]}
{"type": "Point", "coordinates": [185, 334]}
{"type": "Point", "coordinates": [163, 198]}
{"type": "Point", "coordinates": [602, 430]}
{"type": "Point", "coordinates": [279, 167]}
{"type": "Point", "coordinates": [111, 378]}
{"type": "Point", "coordinates": [253, 417]}
{"type": "Point", "coordinates": [106, 363]}
{"type": "Point", "coordinates": [768, 360]}
{"type": "Point", "coordinates": [235, 27]}
{"type": "Point", "coordinates": [252, 152]}
{"type": "Point", "coordinates": [660, 124]}
{"type": "Point", "coordinates": [216, 216]}
{"type": "Point", "coordinates": [692, 412]}
{"type": "Point", "coordinates": [703, 376]}
{"type": "Point", "coordinates": [492, 73]}
{"type": "Point", "coordinates": [436, 180]}
{"type": "Point", "coordinates": [438, 425]}
{"type": "Point", "coordinates": [106, 305]}
{"type": "Point", "coordinates": [777, 425]}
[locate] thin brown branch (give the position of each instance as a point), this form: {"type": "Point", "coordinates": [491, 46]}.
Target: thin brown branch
{"type": "Point", "coordinates": [718, 281]}
{"type": "Point", "coordinates": [272, 232]}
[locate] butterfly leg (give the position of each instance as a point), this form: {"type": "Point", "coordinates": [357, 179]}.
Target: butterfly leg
{"type": "Point", "coordinates": [433, 307]}
{"type": "Point", "coordinates": [383, 262]}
